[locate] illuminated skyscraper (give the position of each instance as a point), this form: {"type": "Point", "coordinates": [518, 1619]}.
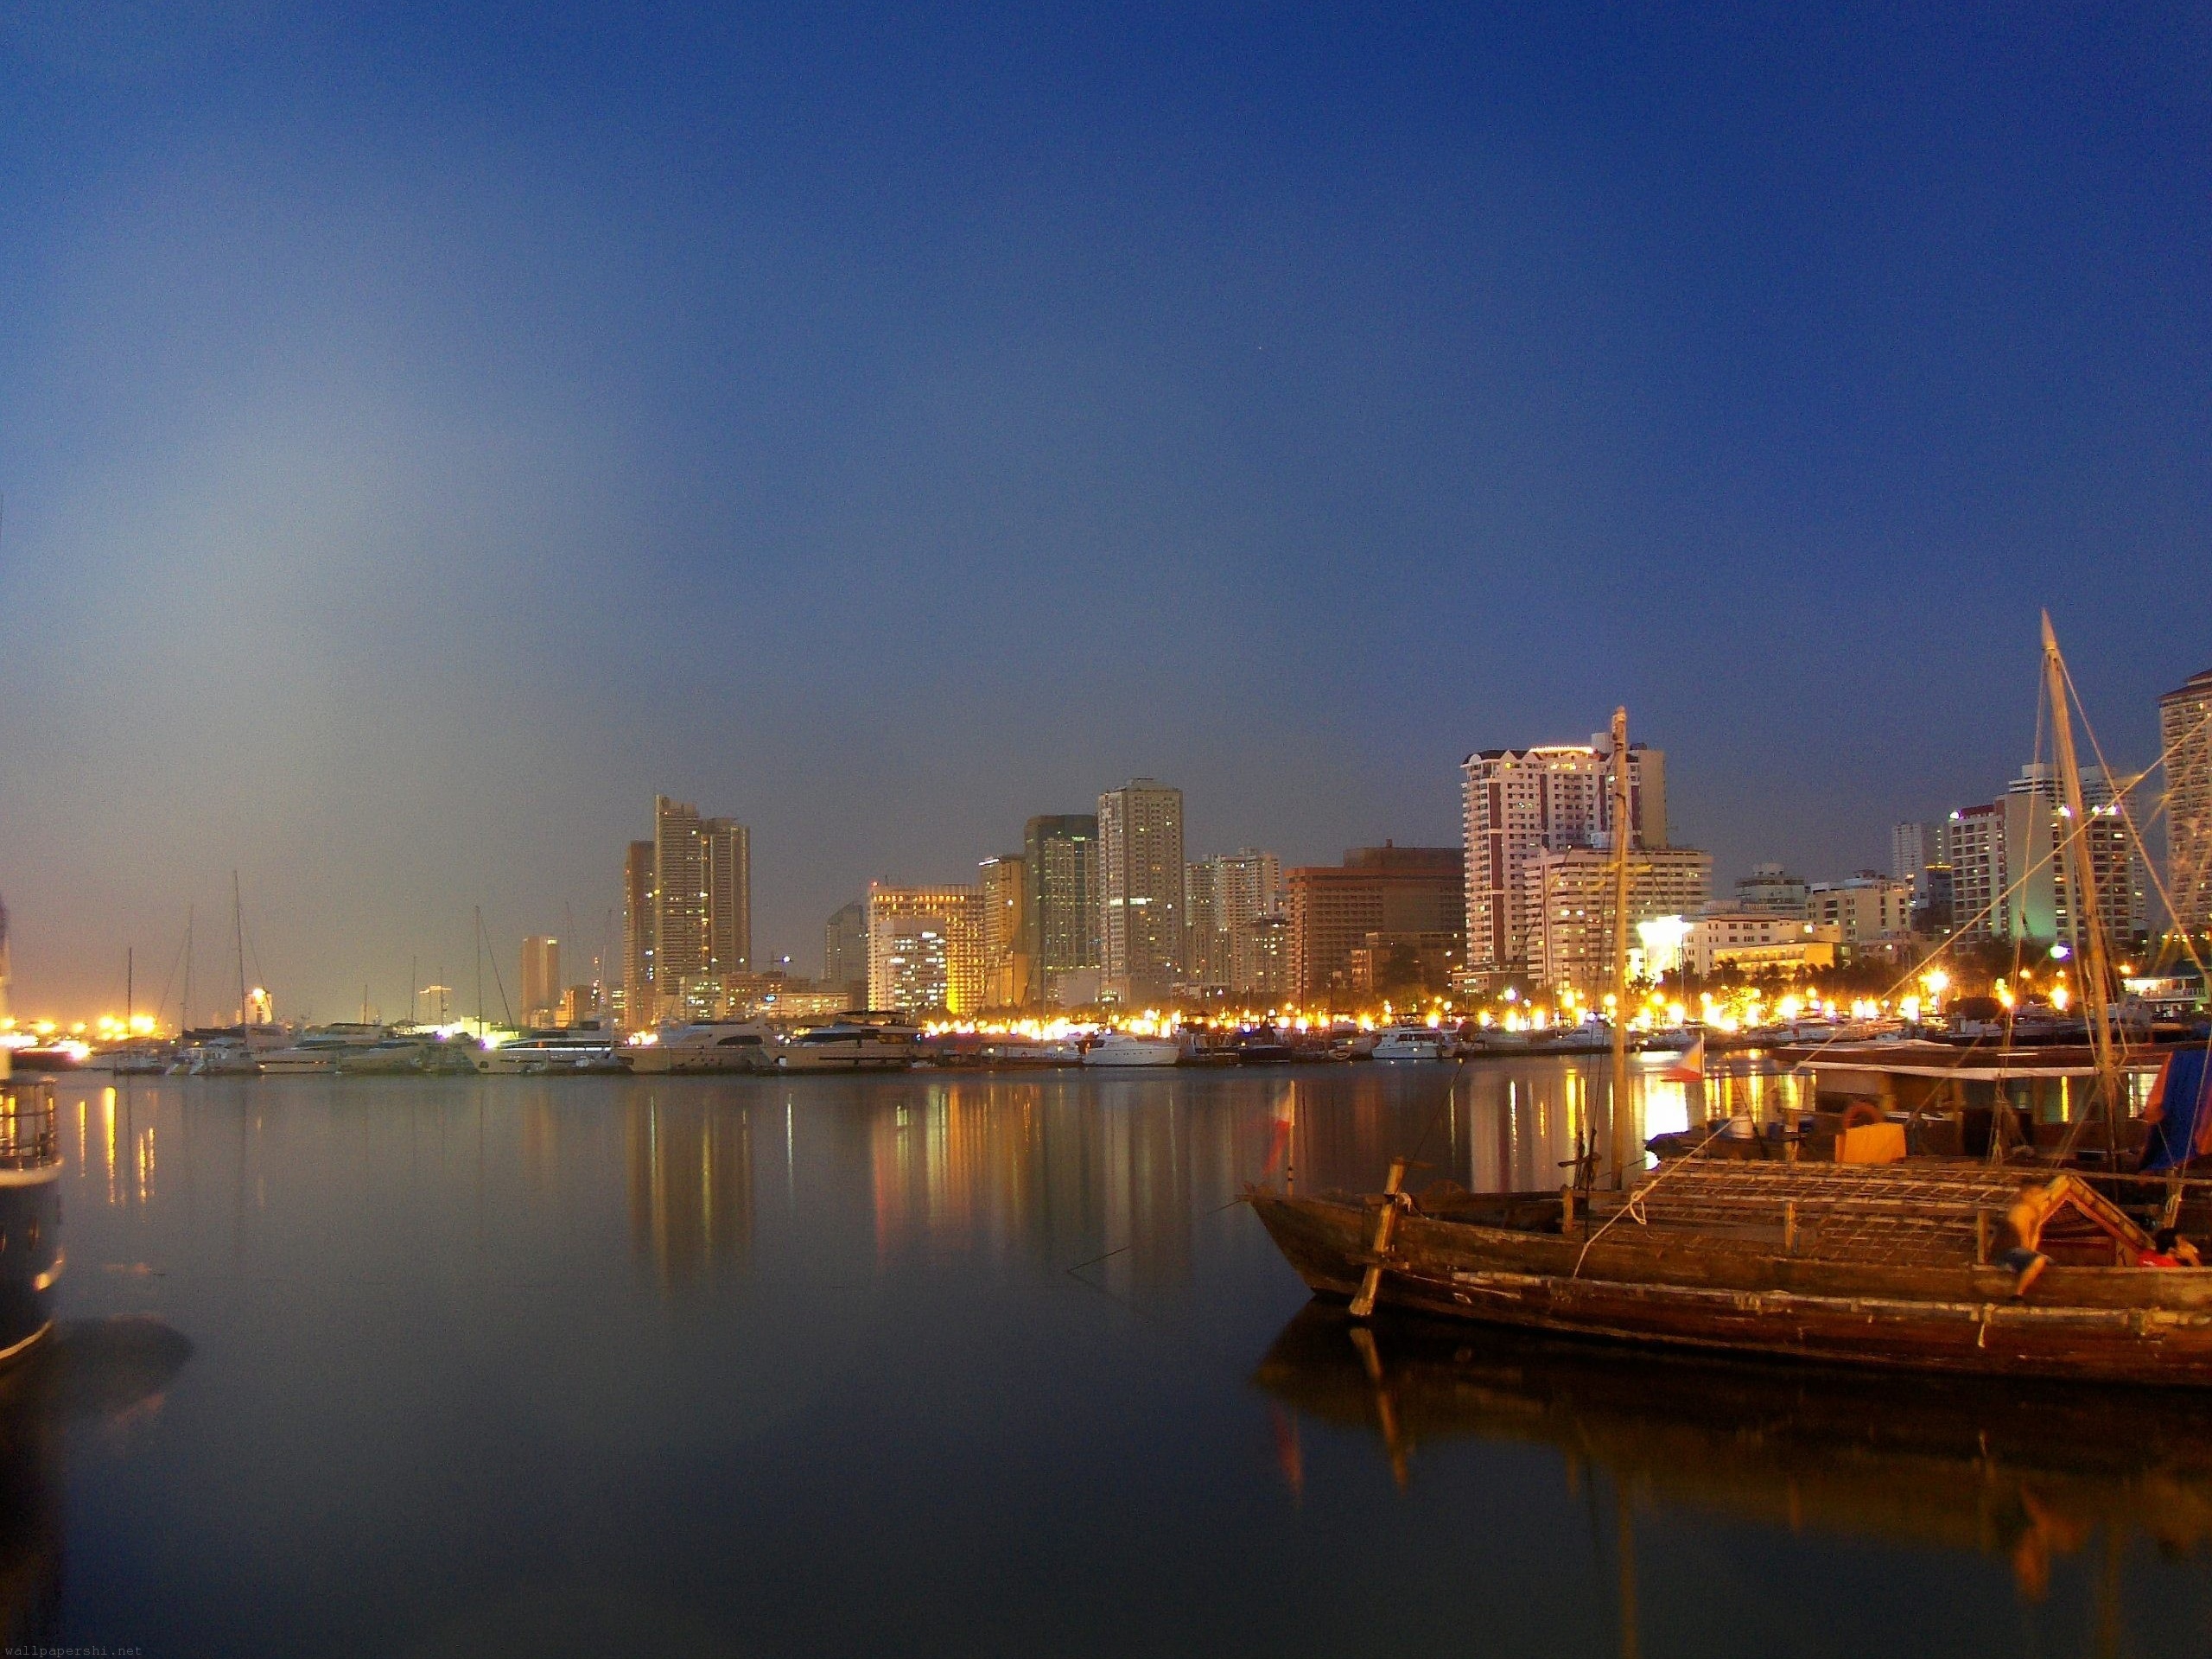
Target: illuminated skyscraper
{"type": "Point", "coordinates": [2185, 736]}
{"type": "Point", "coordinates": [1403, 891]}
{"type": "Point", "coordinates": [1060, 913]}
{"type": "Point", "coordinates": [1006, 954]}
{"type": "Point", "coordinates": [1518, 804]}
{"type": "Point", "coordinates": [703, 904]}
{"type": "Point", "coordinates": [639, 1008]}
{"type": "Point", "coordinates": [1140, 890]}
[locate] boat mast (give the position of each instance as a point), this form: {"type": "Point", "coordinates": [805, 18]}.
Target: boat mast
{"type": "Point", "coordinates": [238, 936]}
{"type": "Point", "coordinates": [2084, 914]}
{"type": "Point", "coordinates": [130, 965]}
{"type": "Point", "coordinates": [1624, 1127]}
{"type": "Point", "coordinates": [184, 1006]}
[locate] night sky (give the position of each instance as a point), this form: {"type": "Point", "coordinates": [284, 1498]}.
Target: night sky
{"type": "Point", "coordinates": [427, 431]}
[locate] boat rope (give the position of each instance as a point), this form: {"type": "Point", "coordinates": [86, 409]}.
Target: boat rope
{"type": "Point", "coordinates": [1633, 1208]}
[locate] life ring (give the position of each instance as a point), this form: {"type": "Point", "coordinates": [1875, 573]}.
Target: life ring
{"type": "Point", "coordinates": [1860, 1113]}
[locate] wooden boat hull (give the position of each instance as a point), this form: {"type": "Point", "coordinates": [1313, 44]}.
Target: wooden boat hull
{"type": "Point", "coordinates": [2106, 1323]}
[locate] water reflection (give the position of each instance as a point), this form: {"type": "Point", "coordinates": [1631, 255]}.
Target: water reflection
{"type": "Point", "coordinates": [691, 1173]}
{"type": "Point", "coordinates": [2031, 1475]}
{"type": "Point", "coordinates": [109, 1376]}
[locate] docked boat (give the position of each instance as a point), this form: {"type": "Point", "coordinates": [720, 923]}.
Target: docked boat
{"type": "Point", "coordinates": [319, 1050]}
{"type": "Point", "coordinates": [864, 1041]}
{"type": "Point", "coordinates": [221, 1052]}
{"type": "Point", "coordinates": [1414, 1042]}
{"type": "Point", "coordinates": [1126, 1048]}
{"type": "Point", "coordinates": [63, 1056]}
{"type": "Point", "coordinates": [2048, 1266]}
{"type": "Point", "coordinates": [705, 1046]}
{"type": "Point", "coordinates": [30, 1212]}
{"type": "Point", "coordinates": [139, 1060]}
{"type": "Point", "coordinates": [590, 1049]}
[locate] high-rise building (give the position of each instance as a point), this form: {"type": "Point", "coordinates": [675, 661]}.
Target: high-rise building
{"type": "Point", "coordinates": [2008, 876]}
{"type": "Point", "coordinates": [1266, 966]}
{"type": "Point", "coordinates": [926, 948]}
{"type": "Point", "coordinates": [727, 847]}
{"type": "Point", "coordinates": [1387, 889]}
{"type": "Point", "coordinates": [1223, 893]}
{"type": "Point", "coordinates": [1517, 804]}
{"type": "Point", "coordinates": [702, 905]}
{"type": "Point", "coordinates": [541, 980]}
{"type": "Point", "coordinates": [1140, 890]}
{"type": "Point", "coordinates": [639, 908]}
{"type": "Point", "coordinates": [1006, 955]}
{"type": "Point", "coordinates": [844, 950]}
{"type": "Point", "coordinates": [1913, 848]}
{"type": "Point", "coordinates": [1060, 903]}
{"type": "Point", "coordinates": [2185, 739]}
{"type": "Point", "coordinates": [1569, 902]}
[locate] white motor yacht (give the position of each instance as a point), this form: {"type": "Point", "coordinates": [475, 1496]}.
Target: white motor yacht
{"type": "Point", "coordinates": [1414, 1042]}
{"type": "Point", "coordinates": [215, 1054]}
{"type": "Point", "coordinates": [320, 1049]}
{"type": "Point", "coordinates": [565, 1050]}
{"type": "Point", "coordinates": [705, 1045]}
{"type": "Point", "coordinates": [854, 1042]}
{"type": "Point", "coordinates": [1126, 1048]}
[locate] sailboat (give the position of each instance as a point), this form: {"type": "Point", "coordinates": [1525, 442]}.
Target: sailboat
{"type": "Point", "coordinates": [1901, 1263]}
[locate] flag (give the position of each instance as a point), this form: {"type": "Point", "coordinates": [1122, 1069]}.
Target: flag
{"type": "Point", "coordinates": [1285, 1117]}
{"type": "Point", "coordinates": [1691, 1067]}
{"type": "Point", "coordinates": [2180, 1124]}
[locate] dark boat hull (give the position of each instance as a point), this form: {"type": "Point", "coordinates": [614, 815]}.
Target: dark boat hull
{"type": "Point", "coordinates": [2105, 1324]}
{"type": "Point", "coordinates": [30, 1257]}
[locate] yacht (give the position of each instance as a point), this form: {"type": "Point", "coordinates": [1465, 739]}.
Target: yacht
{"type": "Point", "coordinates": [705, 1045]}
{"type": "Point", "coordinates": [215, 1052]}
{"type": "Point", "coordinates": [320, 1049]}
{"type": "Point", "coordinates": [1126, 1048]}
{"type": "Point", "coordinates": [1414, 1042]}
{"type": "Point", "coordinates": [589, 1048]}
{"type": "Point", "coordinates": [862, 1041]}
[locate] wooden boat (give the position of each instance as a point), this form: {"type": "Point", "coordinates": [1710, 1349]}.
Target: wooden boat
{"type": "Point", "coordinates": [1888, 1263]}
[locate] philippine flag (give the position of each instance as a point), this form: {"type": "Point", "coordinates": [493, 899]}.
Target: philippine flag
{"type": "Point", "coordinates": [1691, 1067]}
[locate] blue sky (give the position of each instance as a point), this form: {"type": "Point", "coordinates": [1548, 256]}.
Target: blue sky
{"type": "Point", "coordinates": [426, 432]}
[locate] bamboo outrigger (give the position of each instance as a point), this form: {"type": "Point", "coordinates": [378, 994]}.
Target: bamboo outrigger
{"type": "Point", "coordinates": [1898, 1263]}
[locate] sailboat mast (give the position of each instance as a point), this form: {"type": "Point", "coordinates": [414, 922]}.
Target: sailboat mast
{"type": "Point", "coordinates": [130, 967]}
{"type": "Point", "coordinates": [1624, 1146]}
{"type": "Point", "coordinates": [2084, 913]}
{"type": "Point", "coordinates": [238, 939]}
{"type": "Point", "coordinates": [184, 1006]}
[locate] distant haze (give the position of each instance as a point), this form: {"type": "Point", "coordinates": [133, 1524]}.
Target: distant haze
{"type": "Point", "coordinates": [426, 434]}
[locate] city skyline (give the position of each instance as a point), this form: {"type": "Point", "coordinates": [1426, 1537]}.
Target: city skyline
{"type": "Point", "coordinates": [448, 433]}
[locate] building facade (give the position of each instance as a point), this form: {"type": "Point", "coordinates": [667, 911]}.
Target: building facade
{"type": "Point", "coordinates": [1755, 941]}
{"type": "Point", "coordinates": [2008, 878]}
{"type": "Point", "coordinates": [1265, 960]}
{"type": "Point", "coordinates": [1006, 931]}
{"type": "Point", "coordinates": [1223, 894]}
{"type": "Point", "coordinates": [1139, 891]}
{"type": "Point", "coordinates": [1387, 889]}
{"type": "Point", "coordinates": [2185, 739]}
{"type": "Point", "coordinates": [1569, 898]}
{"type": "Point", "coordinates": [1867, 911]}
{"type": "Point", "coordinates": [639, 911]}
{"type": "Point", "coordinates": [1519, 804]}
{"type": "Point", "coordinates": [541, 980]}
{"type": "Point", "coordinates": [926, 948]}
{"type": "Point", "coordinates": [1059, 857]}
{"type": "Point", "coordinates": [844, 950]}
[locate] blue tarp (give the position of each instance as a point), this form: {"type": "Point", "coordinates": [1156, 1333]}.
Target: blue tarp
{"type": "Point", "coordinates": [2180, 1116]}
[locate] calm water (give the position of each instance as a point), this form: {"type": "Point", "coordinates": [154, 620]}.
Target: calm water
{"type": "Point", "coordinates": [786, 1367]}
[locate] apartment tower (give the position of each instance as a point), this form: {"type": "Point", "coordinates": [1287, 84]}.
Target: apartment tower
{"type": "Point", "coordinates": [2185, 738]}
{"type": "Point", "coordinates": [1059, 874]}
{"type": "Point", "coordinates": [1141, 890]}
